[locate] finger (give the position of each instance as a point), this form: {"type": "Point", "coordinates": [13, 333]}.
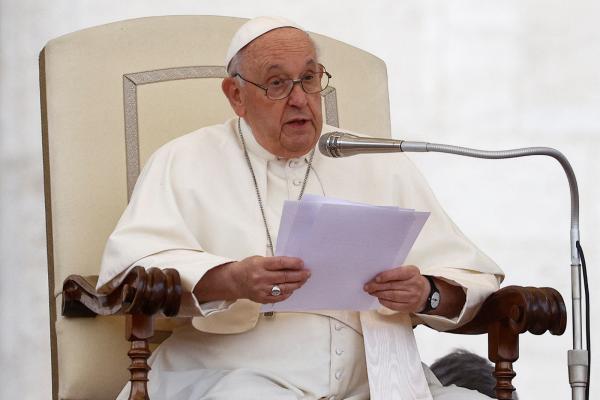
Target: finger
{"type": "Point", "coordinates": [414, 283]}
{"type": "Point", "coordinates": [397, 296]}
{"type": "Point", "coordinates": [286, 276]}
{"type": "Point", "coordinates": [265, 298]}
{"type": "Point", "coordinates": [372, 287]}
{"type": "Point", "coordinates": [279, 263]}
{"type": "Point", "coordinates": [401, 307]}
{"type": "Point", "coordinates": [286, 288]}
{"type": "Point", "coordinates": [280, 298]}
{"type": "Point", "coordinates": [398, 274]}
{"type": "Point", "coordinates": [289, 288]}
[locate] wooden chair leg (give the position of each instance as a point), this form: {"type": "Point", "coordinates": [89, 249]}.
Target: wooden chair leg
{"type": "Point", "coordinates": [138, 330]}
{"type": "Point", "coordinates": [503, 351]}
{"type": "Point", "coordinates": [504, 375]}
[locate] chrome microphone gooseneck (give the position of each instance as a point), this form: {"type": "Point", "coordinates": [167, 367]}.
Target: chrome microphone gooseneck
{"type": "Point", "coordinates": [338, 144]}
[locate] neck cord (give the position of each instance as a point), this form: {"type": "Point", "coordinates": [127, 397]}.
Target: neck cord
{"type": "Point", "coordinates": [258, 196]}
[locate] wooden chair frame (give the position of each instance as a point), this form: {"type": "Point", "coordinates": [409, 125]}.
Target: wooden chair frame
{"type": "Point", "coordinates": [146, 294]}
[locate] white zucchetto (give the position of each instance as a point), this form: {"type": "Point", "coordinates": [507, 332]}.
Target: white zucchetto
{"type": "Point", "coordinates": [254, 28]}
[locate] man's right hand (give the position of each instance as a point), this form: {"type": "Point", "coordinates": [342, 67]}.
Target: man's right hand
{"type": "Point", "coordinates": [252, 278]}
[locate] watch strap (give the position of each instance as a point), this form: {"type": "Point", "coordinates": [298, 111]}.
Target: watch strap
{"type": "Point", "coordinates": [433, 299]}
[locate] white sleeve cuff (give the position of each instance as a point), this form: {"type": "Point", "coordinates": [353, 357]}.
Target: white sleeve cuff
{"type": "Point", "coordinates": [477, 287]}
{"type": "Point", "coordinates": [191, 266]}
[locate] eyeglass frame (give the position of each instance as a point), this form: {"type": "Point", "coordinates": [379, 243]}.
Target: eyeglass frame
{"type": "Point", "coordinates": [294, 82]}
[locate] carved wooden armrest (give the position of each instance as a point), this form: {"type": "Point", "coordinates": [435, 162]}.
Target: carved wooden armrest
{"type": "Point", "coordinates": [505, 315]}
{"type": "Point", "coordinates": [140, 297]}
{"type": "Point", "coordinates": [146, 292]}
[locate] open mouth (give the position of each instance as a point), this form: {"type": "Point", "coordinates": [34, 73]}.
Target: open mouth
{"type": "Point", "coordinates": [299, 122]}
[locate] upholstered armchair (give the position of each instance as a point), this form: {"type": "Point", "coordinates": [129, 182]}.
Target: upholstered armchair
{"type": "Point", "coordinates": [111, 95]}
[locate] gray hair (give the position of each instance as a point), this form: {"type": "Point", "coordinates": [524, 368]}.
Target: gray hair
{"type": "Point", "coordinates": [235, 65]}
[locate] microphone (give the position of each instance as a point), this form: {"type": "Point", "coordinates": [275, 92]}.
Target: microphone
{"type": "Point", "coordinates": [340, 144]}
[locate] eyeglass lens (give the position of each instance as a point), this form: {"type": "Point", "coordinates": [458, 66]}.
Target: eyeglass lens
{"type": "Point", "coordinates": [311, 83]}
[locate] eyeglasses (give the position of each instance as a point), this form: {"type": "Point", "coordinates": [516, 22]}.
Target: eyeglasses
{"type": "Point", "coordinates": [278, 88]}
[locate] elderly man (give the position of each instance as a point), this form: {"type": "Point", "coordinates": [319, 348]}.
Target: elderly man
{"type": "Point", "coordinates": [209, 204]}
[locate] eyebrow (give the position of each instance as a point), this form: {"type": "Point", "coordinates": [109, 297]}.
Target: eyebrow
{"type": "Point", "coordinates": [278, 66]}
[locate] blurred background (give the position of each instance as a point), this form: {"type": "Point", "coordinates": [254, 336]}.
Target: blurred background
{"type": "Point", "coordinates": [478, 73]}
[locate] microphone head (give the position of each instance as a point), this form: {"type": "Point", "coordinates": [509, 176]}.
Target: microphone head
{"type": "Point", "coordinates": [329, 143]}
{"type": "Point", "coordinates": [341, 144]}
{"type": "Point", "coordinates": [326, 143]}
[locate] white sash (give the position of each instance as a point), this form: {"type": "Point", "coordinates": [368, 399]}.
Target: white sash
{"type": "Point", "coordinates": [393, 361]}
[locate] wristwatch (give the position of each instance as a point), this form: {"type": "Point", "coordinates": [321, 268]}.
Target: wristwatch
{"type": "Point", "coordinates": [434, 298]}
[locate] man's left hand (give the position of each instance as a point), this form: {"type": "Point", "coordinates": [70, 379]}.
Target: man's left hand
{"type": "Point", "coordinates": [402, 289]}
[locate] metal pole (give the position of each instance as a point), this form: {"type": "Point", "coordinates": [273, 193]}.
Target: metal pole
{"type": "Point", "coordinates": [577, 358]}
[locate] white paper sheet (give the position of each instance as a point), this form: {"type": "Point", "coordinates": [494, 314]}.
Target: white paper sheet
{"type": "Point", "coordinates": [344, 245]}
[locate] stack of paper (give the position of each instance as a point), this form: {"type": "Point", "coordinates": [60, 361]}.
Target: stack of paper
{"type": "Point", "coordinates": [344, 245]}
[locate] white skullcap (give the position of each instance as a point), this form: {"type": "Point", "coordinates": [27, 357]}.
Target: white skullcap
{"type": "Point", "coordinates": [254, 28]}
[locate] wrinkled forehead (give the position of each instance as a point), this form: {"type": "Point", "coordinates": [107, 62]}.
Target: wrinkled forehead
{"type": "Point", "coordinates": [281, 46]}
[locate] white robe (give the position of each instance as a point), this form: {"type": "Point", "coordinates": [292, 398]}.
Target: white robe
{"type": "Point", "coordinates": [194, 207]}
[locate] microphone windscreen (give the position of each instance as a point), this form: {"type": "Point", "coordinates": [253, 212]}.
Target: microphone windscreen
{"type": "Point", "coordinates": [325, 144]}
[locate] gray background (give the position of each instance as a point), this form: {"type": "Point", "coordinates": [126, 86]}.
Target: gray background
{"type": "Point", "coordinates": [487, 74]}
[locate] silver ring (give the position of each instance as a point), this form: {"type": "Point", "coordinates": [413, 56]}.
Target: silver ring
{"type": "Point", "coordinates": [275, 290]}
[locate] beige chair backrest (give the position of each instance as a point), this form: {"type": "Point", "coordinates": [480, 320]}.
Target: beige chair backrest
{"type": "Point", "coordinates": [110, 96]}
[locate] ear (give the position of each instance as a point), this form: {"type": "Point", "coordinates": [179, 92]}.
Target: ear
{"type": "Point", "coordinates": [232, 91]}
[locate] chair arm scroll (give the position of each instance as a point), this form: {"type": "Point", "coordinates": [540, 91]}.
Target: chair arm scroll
{"type": "Point", "coordinates": [519, 310]}
{"type": "Point", "coordinates": [142, 292]}
{"type": "Point", "coordinates": [504, 316]}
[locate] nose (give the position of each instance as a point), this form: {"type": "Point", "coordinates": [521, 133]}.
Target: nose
{"type": "Point", "coordinates": [297, 97]}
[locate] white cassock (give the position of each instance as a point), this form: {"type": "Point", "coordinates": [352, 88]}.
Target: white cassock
{"type": "Point", "coordinates": [195, 207]}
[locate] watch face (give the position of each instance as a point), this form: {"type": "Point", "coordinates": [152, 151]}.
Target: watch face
{"type": "Point", "coordinates": [435, 300]}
